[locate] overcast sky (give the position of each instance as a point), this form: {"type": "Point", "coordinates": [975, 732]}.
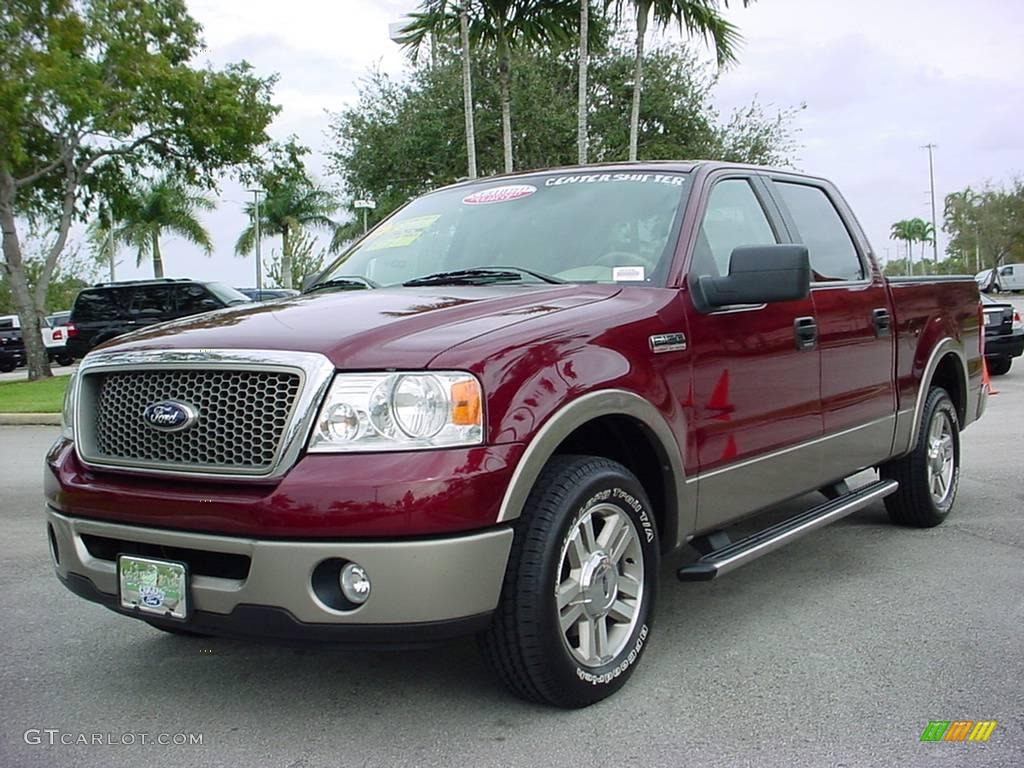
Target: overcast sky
{"type": "Point", "coordinates": [880, 78]}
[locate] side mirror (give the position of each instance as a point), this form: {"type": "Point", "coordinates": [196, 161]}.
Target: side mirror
{"type": "Point", "coordinates": [758, 274]}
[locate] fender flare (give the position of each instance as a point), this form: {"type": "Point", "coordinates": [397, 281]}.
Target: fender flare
{"type": "Point", "coordinates": [945, 346]}
{"type": "Point", "coordinates": [564, 421]}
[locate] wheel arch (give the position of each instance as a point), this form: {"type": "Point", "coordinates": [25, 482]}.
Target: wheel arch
{"type": "Point", "coordinates": [947, 368]}
{"type": "Point", "coordinates": [621, 426]}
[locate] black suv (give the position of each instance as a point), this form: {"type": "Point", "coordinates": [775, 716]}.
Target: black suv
{"type": "Point", "coordinates": [111, 309]}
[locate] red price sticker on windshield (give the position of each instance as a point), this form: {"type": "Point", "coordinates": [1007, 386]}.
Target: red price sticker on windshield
{"type": "Point", "coordinates": [499, 194]}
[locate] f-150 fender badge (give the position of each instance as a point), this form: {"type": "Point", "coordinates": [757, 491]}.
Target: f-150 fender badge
{"type": "Point", "coordinates": [667, 342]}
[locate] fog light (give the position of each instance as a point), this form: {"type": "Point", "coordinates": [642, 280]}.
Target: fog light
{"type": "Point", "coordinates": [355, 583]}
{"type": "Point", "coordinates": [54, 549]}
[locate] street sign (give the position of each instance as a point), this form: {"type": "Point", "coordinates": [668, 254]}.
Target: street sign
{"type": "Point", "coordinates": [364, 204]}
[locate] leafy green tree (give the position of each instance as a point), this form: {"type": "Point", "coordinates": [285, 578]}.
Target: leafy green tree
{"type": "Point", "coordinates": [91, 93]}
{"type": "Point", "coordinates": [292, 206]}
{"type": "Point", "coordinates": [504, 27]}
{"type": "Point", "coordinates": [432, 21]}
{"type": "Point", "coordinates": [156, 209]}
{"type": "Point", "coordinates": [694, 17]}
{"type": "Point", "coordinates": [307, 259]}
{"type": "Point", "coordinates": [75, 271]}
{"type": "Point", "coordinates": [403, 135]}
{"type": "Point", "coordinates": [988, 226]}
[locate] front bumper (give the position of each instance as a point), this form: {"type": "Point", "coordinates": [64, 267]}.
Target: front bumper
{"type": "Point", "coordinates": [422, 589]}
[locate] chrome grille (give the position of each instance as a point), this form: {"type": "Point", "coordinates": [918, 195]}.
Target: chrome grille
{"type": "Point", "coordinates": [242, 419]}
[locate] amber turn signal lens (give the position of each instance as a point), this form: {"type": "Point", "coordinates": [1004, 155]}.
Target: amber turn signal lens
{"type": "Point", "coordinates": [466, 403]}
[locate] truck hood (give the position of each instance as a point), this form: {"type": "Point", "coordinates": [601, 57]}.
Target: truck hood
{"type": "Point", "coordinates": [369, 329]}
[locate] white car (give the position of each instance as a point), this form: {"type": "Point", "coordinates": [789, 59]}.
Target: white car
{"type": "Point", "coordinates": [1008, 277]}
{"type": "Point", "coordinates": [55, 335]}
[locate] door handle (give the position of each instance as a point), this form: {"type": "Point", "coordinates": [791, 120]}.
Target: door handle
{"type": "Point", "coordinates": [882, 321]}
{"type": "Point", "coordinates": [805, 329]}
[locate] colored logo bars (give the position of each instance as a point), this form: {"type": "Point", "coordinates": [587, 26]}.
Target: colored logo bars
{"type": "Point", "coordinates": [958, 730]}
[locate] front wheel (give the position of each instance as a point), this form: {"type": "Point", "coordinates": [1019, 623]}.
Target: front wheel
{"type": "Point", "coordinates": [999, 366]}
{"type": "Point", "coordinates": [929, 475]}
{"type": "Point", "coordinates": [578, 596]}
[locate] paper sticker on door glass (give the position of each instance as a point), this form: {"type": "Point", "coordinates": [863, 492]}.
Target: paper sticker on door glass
{"type": "Point", "coordinates": [627, 274]}
{"type": "Point", "coordinates": [400, 234]}
{"type": "Point", "coordinates": [499, 194]}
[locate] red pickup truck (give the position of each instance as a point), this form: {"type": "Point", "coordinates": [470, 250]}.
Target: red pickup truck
{"type": "Point", "coordinates": [499, 410]}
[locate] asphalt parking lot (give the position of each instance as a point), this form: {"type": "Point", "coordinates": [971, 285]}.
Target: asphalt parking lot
{"type": "Point", "coordinates": [835, 651]}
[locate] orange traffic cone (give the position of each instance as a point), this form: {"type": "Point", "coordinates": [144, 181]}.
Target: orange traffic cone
{"type": "Point", "coordinates": [986, 382]}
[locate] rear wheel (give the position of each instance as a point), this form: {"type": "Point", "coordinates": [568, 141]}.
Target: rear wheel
{"type": "Point", "coordinates": [6, 366]}
{"type": "Point", "coordinates": [65, 359]}
{"type": "Point", "coordinates": [580, 585]}
{"type": "Point", "coordinates": [929, 475]}
{"type": "Point", "coordinates": [999, 366]}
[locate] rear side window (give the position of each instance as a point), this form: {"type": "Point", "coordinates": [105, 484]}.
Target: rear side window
{"type": "Point", "coordinates": [733, 217]}
{"type": "Point", "coordinates": [151, 302]}
{"type": "Point", "coordinates": [193, 299]}
{"type": "Point", "coordinates": [829, 245]}
{"type": "Point", "coordinates": [96, 306]}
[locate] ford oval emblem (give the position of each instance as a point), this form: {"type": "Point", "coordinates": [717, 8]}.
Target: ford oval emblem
{"type": "Point", "coordinates": [169, 416]}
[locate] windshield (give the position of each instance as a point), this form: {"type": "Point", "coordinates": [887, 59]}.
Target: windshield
{"type": "Point", "coordinates": [575, 227]}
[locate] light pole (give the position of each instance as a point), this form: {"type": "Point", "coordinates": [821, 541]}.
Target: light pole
{"type": "Point", "coordinates": [366, 205]}
{"type": "Point", "coordinates": [931, 178]}
{"type": "Point", "coordinates": [256, 192]}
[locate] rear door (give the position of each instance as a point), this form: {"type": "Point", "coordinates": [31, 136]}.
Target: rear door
{"type": "Point", "coordinates": [855, 321]}
{"type": "Point", "coordinates": [755, 397]}
{"type": "Point", "coordinates": [150, 304]}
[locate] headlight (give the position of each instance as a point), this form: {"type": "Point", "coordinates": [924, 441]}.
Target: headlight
{"type": "Point", "coordinates": [67, 413]}
{"type": "Point", "coordinates": [399, 412]}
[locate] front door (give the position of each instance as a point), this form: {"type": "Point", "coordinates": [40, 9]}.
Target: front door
{"type": "Point", "coordinates": [755, 399]}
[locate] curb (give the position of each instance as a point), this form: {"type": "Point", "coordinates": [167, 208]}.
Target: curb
{"type": "Point", "coordinates": [29, 419]}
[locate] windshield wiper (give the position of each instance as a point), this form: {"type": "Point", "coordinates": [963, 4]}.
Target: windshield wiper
{"type": "Point", "coordinates": [347, 283]}
{"type": "Point", "coordinates": [480, 276]}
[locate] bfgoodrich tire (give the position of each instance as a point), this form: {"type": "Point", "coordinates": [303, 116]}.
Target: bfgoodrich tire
{"type": "Point", "coordinates": [577, 601]}
{"type": "Point", "coordinates": [929, 475]}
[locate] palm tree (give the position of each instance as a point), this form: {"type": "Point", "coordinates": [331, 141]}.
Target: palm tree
{"type": "Point", "coordinates": [905, 230]}
{"type": "Point", "coordinates": [581, 108]}
{"type": "Point", "coordinates": [434, 20]}
{"type": "Point", "coordinates": [290, 207]}
{"type": "Point", "coordinates": [160, 207]}
{"type": "Point", "coordinates": [503, 26]}
{"type": "Point", "coordinates": [695, 17]}
{"type": "Point", "coordinates": [925, 234]}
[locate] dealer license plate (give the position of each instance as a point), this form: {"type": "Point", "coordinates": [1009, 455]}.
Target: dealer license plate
{"type": "Point", "coordinates": [159, 587]}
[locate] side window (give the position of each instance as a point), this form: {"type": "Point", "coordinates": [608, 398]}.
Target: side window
{"type": "Point", "coordinates": [831, 250]}
{"type": "Point", "coordinates": [151, 302]}
{"type": "Point", "coordinates": [1006, 271]}
{"type": "Point", "coordinates": [96, 306]}
{"type": "Point", "coordinates": [733, 217]}
{"type": "Point", "coordinates": [193, 299]}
